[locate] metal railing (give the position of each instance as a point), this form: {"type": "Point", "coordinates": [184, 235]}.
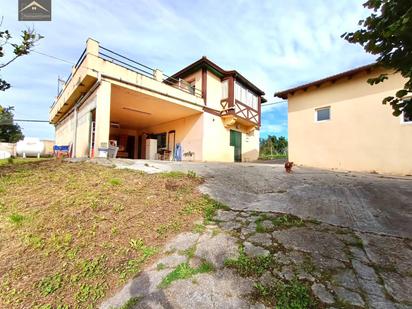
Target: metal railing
{"type": "Point", "coordinates": [145, 70]}
{"type": "Point", "coordinates": [78, 64]}
{"type": "Point", "coordinates": [182, 85]}
{"type": "Point", "coordinates": [123, 61]}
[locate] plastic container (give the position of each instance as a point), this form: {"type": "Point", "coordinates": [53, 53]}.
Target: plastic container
{"type": "Point", "coordinates": [103, 152]}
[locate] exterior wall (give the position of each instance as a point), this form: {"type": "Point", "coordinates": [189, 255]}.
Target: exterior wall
{"type": "Point", "coordinates": [197, 77]}
{"type": "Point", "coordinates": [189, 133]}
{"type": "Point", "coordinates": [48, 147]}
{"type": "Point", "coordinates": [250, 146]}
{"type": "Point", "coordinates": [64, 131]}
{"type": "Point", "coordinates": [214, 91]}
{"type": "Point", "coordinates": [102, 116]}
{"type": "Point", "coordinates": [362, 134]}
{"type": "Point", "coordinates": [83, 127]}
{"type": "Point", "coordinates": [216, 141]}
{"type": "Point", "coordinates": [9, 147]}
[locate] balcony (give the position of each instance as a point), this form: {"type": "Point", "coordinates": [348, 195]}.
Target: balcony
{"type": "Point", "coordinates": [98, 62]}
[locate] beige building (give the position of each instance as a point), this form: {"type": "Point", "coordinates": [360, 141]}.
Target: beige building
{"type": "Point", "coordinates": [340, 123]}
{"type": "Point", "coordinates": [201, 113]}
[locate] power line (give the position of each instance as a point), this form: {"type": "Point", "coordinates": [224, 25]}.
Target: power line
{"type": "Point", "coordinates": [10, 122]}
{"type": "Point", "coordinates": [53, 57]}
{"type": "Point", "coordinates": [273, 103]}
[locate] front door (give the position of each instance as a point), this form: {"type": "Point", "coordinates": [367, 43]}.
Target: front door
{"type": "Point", "coordinates": [236, 141]}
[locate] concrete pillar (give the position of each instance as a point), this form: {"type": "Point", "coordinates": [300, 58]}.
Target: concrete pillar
{"type": "Point", "coordinates": [92, 47]}
{"type": "Point", "coordinates": [158, 75]}
{"type": "Point", "coordinates": [102, 116]}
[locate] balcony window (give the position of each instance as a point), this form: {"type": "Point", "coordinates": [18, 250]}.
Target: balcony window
{"type": "Point", "coordinates": [246, 96]}
{"type": "Point", "coordinates": [225, 89]}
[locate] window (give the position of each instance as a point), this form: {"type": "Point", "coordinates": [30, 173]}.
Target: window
{"type": "Point", "coordinates": [246, 96]}
{"type": "Point", "coordinates": [225, 90]}
{"type": "Point", "coordinates": [192, 87]}
{"type": "Point", "coordinates": [406, 119]}
{"type": "Point", "coordinates": [322, 114]}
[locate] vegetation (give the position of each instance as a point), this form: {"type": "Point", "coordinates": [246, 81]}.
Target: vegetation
{"type": "Point", "coordinates": [71, 233]}
{"type": "Point", "coordinates": [387, 33]}
{"type": "Point", "coordinates": [131, 303]}
{"type": "Point", "coordinates": [247, 266]}
{"type": "Point", "coordinates": [273, 147]}
{"type": "Point", "coordinates": [184, 271]}
{"type": "Point", "coordinates": [287, 220]}
{"type": "Point", "coordinates": [9, 132]}
{"type": "Point", "coordinates": [290, 295]}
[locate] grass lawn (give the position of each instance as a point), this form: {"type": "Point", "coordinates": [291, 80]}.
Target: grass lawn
{"type": "Point", "coordinates": [273, 157]}
{"type": "Point", "coordinates": [20, 160]}
{"type": "Point", "coordinates": [73, 233]}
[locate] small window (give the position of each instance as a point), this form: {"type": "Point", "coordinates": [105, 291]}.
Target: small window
{"type": "Point", "coordinates": [406, 119]}
{"type": "Point", "coordinates": [322, 114]}
{"type": "Point", "coordinates": [192, 87]}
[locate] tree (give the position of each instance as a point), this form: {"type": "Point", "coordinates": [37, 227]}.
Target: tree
{"type": "Point", "coordinates": [28, 39]}
{"type": "Point", "coordinates": [9, 132]}
{"type": "Point", "coordinates": [388, 34]}
{"type": "Point", "coordinates": [273, 145]}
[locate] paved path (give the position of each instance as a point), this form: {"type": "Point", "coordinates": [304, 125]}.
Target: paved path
{"type": "Point", "coordinates": [365, 202]}
{"type": "Point", "coordinates": [337, 267]}
{"type": "Point", "coordinates": [358, 255]}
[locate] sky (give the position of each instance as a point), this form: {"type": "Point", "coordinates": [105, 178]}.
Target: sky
{"type": "Point", "coordinates": [276, 44]}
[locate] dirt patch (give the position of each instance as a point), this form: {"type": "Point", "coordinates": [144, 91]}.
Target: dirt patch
{"type": "Point", "coordinates": [72, 233]}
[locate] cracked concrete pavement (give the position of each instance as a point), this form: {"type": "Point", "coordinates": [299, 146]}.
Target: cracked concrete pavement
{"type": "Point", "coordinates": [365, 202]}
{"type": "Point", "coordinates": [356, 254]}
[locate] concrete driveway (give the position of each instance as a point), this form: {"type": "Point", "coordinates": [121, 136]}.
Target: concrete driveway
{"type": "Point", "coordinates": [364, 202]}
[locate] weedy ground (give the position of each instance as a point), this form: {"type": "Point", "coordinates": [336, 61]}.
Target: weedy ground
{"type": "Point", "coordinates": [72, 233]}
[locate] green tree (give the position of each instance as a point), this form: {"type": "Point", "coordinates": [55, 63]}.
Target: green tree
{"type": "Point", "coordinates": [9, 132]}
{"type": "Point", "coordinates": [387, 32]}
{"type": "Point", "coordinates": [17, 49]}
{"type": "Point", "coordinates": [272, 145]}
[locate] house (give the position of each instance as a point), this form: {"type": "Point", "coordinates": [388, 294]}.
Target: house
{"type": "Point", "coordinates": [339, 122]}
{"type": "Point", "coordinates": [201, 113]}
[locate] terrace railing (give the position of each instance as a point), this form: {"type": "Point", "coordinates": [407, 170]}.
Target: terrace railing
{"type": "Point", "coordinates": [123, 61]}
{"type": "Point", "coordinates": [145, 70]}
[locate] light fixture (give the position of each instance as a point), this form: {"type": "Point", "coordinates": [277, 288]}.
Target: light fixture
{"type": "Point", "coordinates": [135, 110]}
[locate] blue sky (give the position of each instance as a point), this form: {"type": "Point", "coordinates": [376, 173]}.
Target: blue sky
{"type": "Point", "coordinates": [276, 44]}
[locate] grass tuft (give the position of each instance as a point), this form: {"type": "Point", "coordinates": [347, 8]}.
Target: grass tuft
{"type": "Point", "coordinates": [50, 284]}
{"type": "Point", "coordinates": [130, 303]}
{"type": "Point", "coordinates": [115, 181]}
{"type": "Point", "coordinates": [291, 295]}
{"type": "Point", "coordinates": [287, 220]}
{"type": "Point", "coordinates": [16, 218]}
{"type": "Point", "coordinates": [247, 266]}
{"type": "Point", "coordinates": [184, 271]}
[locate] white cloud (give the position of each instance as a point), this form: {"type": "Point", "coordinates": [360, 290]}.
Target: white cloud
{"type": "Point", "coordinates": [274, 129]}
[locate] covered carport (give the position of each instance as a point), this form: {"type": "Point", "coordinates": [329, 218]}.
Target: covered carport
{"type": "Point", "coordinates": [144, 125]}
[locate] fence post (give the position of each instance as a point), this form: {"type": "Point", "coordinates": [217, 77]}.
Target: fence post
{"type": "Point", "coordinates": [158, 75]}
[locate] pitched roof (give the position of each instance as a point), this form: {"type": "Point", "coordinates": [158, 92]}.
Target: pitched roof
{"type": "Point", "coordinates": [284, 94]}
{"type": "Point", "coordinates": [217, 70]}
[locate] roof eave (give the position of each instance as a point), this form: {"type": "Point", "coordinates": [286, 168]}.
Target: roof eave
{"type": "Point", "coordinates": [333, 78]}
{"type": "Point", "coordinates": [205, 62]}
